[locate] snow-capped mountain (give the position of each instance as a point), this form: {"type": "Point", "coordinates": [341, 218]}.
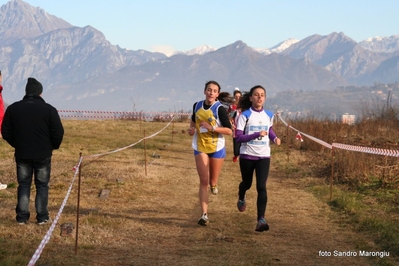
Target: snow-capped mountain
{"type": "Point", "coordinates": [381, 44]}
{"type": "Point", "coordinates": [277, 48]}
{"type": "Point", "coordinates": [201, 50]}
{"type": "Point", "coordinates": [265, 51]}
{"type": "Point", "coordinates": [283, 45]}
{"type": "Point", "coordinates": [79, 68]}
{"type": "Point", "coordinates": [376, 44]}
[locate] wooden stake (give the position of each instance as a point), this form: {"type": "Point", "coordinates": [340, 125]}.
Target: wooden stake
{"type": "Point", "coordinates": [78, 208]}
{"type": "Point", "coordinates": [145, 154]}
{"type": "Point", "coordinates": [332, 172]}
{"type": "Point", "coordinates": [288, 144]}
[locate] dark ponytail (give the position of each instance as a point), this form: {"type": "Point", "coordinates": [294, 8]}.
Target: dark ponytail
{"type": "Point", "coordinates": [245, 103]}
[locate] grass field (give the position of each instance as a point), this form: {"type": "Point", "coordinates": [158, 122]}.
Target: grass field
{"type": "Point", "coordinates": [150, 215]}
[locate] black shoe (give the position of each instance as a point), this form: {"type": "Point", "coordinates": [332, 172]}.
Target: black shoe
{"type": "Point", "coordinates": [262, 225]}
{"type": "Point", "coordinates": [241, 205]}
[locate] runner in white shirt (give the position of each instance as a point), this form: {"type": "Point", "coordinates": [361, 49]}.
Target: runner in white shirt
{"type": "Point", "coordinates": [255, 132]}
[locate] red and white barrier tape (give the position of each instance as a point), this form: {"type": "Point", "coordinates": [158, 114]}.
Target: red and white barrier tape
{"type": "Point", "coordinates": [323, 143]}
{"type": "Point", "coordinates": [46, 238]}
{"type": "Point", "coordinates": [377, 151]}
{"type": "Point", "coordinates": [370, 150]}
{"type": "Point", "coordinates": [131, 145]}
{"type": "Point", "coordinates": [117, 114]}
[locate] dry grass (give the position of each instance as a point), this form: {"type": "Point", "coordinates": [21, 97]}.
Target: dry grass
{"type": "Point", "coordinates": [356, 169]}
{"type": "Point", "coordinates": [152, 219]}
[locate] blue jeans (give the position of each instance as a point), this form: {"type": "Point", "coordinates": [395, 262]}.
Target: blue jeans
{"type": "Point", "coordinates": [26, 169]}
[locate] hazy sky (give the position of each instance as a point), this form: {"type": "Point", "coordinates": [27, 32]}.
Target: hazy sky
{"type": "Point", "coordinates": [168, 25]}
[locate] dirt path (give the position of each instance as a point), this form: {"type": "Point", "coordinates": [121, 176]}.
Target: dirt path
{"type": "Point", "coordinates": [301, 230]}
{"type": "Point", "coordinates": [152, 219]}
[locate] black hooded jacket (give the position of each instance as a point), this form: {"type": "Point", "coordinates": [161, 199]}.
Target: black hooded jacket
{"type": "Point", "coordinates": [33, 127]}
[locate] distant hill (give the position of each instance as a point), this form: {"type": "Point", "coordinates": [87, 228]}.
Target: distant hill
{"type": "Point", "coordinates": [381, 44]}
{"type": "Point", "coordinates": [341, 55]}
{"type": "Point", "coordinates": [332, 104]}
{"type": "Point", "coordinates": [81, 70]}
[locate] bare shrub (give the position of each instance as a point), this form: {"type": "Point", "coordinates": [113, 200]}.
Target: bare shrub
{"type": "Point", "coordinates": [379, 129]}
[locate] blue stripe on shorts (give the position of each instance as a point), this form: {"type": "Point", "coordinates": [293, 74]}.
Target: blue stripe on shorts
{"type": "Point", "coordinates": [219, 154]}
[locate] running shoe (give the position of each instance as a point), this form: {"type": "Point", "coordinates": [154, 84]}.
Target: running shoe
{"type": "Point", "coordinates": [203, 220]}
{"type": "Point", "coordinates": [44, 221]}
{"type": "Point", "coordinates": [3, 186]}
{"type": "Point", "coordinates": [214, 190]}
{"type": "Point", "coordinates": [262, 225]}
{"type": "Point", "coordinates": [241, 205]}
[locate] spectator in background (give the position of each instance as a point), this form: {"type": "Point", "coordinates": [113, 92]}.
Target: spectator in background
{"type": "Point", "coordinates": [234, 113]}
{"type": "Point", "coordinates": [34, 129]}
{"type": "Point", "coordinates": [2, 186]}
{"type": "Point", "coordinates": [208, 124]}
{"type": "Point", "coordinates": [255, 132]}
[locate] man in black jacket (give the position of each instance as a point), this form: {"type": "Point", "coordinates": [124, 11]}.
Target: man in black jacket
{"type": "Point", "coordinates": [34, 129]}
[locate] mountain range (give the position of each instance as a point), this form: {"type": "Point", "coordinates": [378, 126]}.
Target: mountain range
{"type": "Point", "coordinates": [81, 70]}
